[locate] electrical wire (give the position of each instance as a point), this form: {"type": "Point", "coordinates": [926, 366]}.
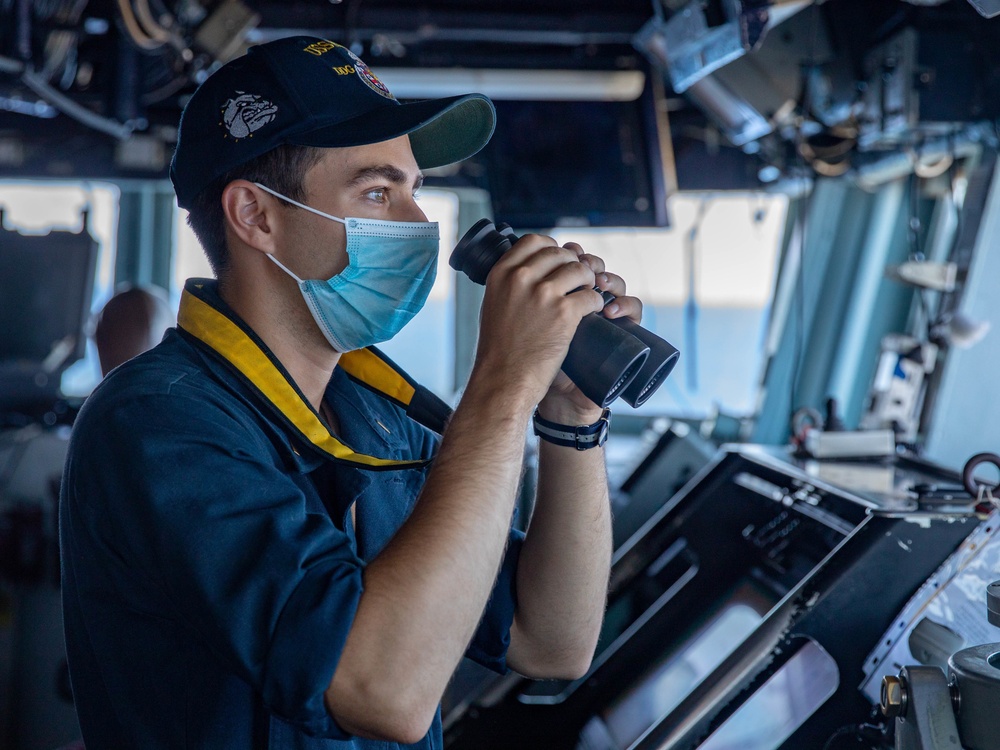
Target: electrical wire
{"type": "Point", "coordinates": [801, 212]}
{"type": "Point", "coordinates": [166, 90]}
{"type": "Point", "coordinates": [61, 43]}
{"type": "Point", "coordinates": [800, 303]}
{"type": "Point", "coordinates": [691, 304]}
{"type": "Point", "coordinates": [830, 159]}
{"type": "Point", "coordinates": [827, 169]}
{"type": "Point", "coordinates": [913, 224]}
{"type": "Point", "coordinates": [135, 32]}
{"type": "Point", "coordinates": [71, 109]}
{"type": "Point", "coordinates": [913, 235]}
{"type": "Point", "coordinates": [149, 24]}
{"type": "Point", "coordinates": [842, 732]}
{"type": "Point", "coordinates": [10, 65]}
{"type": "Point", "coordinates": [927, 171]}
{"type": "Point", "coordinates": [40, 86]}
{"type": "Point", "coordinates": [865, 735]}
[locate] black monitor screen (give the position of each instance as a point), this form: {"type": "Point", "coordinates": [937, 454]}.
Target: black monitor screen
{"type": "Point", "coordinates": [576, 163]}
{"type": "Point", "coordinates": [46, 282]}
{"type": "Point", "coordinates": [671, 675]}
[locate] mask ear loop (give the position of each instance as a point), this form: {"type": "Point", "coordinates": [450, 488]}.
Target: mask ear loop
{"type": "Point", "coordinates": [316, 211]}
{"type": "Point", "coordinates": [284, 268]}
{"type": "Point", "coordinates": [276, 194]}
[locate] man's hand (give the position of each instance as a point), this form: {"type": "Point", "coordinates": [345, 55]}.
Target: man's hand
{"type": "Point", "coordinates": [565, 403]}
{"type": "Point", "coordinates": [563, 569]}
{"type": "Point", "coordinates": [536, 295]}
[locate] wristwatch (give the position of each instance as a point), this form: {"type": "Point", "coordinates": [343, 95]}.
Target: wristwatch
{"type": "Point", "coordinates": [581, 437]}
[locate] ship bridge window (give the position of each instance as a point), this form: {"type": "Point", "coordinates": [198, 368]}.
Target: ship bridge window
{"type": "Point", "coordinates": [706, 284]}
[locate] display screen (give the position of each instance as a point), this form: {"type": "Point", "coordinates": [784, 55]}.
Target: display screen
{"type": "Point", "coordinates": [45, 287]}
{"type": "Point", "coordinates": [627, 613]}
{"type": "Point", "coordinates": [782, 704]}
{"type": "Point", "coordinates": [682, 669]}
{"type": "Point", "coordinates": [601, 167]}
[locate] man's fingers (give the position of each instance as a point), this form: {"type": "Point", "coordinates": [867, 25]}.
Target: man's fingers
{"type": "Point", "coordinates": [610, 282]}
{"type": "Point", "coordinates": [528, 245]}
{"type": "Point", "coordinates": [593, 262]}
{"type": "Point", "coordinates": [545, 264]}
{"type": "Point", "coordinates": [624, 307]}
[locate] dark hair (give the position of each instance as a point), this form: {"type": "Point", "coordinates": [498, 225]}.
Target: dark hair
{"type": "Point", "coordinates": [282, 169]}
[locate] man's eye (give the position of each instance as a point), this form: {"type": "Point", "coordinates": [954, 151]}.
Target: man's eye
{"type": "Point", "coordinates": [377, 195]}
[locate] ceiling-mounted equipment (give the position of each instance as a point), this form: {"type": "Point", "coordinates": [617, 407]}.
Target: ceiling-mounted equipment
{"type": "Point", "coordinates": [689, 48]}
{"type": "Point", "coordinates": [987, 8]}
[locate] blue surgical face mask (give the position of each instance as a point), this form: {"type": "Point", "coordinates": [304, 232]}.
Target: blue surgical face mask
{"type": "Point", "coordinates": [390, 271]}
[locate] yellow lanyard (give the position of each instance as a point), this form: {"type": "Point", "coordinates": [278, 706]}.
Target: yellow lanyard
{"type": "Point", "coordinates": [199, 318]}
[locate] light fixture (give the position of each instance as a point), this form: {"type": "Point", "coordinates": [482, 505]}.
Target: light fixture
{"type": "Point", "coordinates": [521, 85]}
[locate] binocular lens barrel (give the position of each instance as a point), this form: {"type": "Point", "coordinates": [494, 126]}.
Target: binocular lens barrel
{"type": "Point", "coordinates": [606, 358]}
{"type": "Point", "coordinates": [660, 362]}
{"type": "Point", "coordinates": [478, 250]}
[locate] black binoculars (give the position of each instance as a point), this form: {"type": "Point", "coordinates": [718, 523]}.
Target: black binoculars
{"type": "Point", "coordinates": [607, 358]}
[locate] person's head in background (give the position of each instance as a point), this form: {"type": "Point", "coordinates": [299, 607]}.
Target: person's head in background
{"type": "Point", "coordinates": [131, 322]}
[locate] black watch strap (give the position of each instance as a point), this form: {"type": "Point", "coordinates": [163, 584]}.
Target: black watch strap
{"type": "Point", "coordinates": [581, 437]}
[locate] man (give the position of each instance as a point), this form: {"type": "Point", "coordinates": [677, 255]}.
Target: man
{"type": "Point", "coordinates": [257, 549]}
{"type": "Point", "coordinates": [132, 321]}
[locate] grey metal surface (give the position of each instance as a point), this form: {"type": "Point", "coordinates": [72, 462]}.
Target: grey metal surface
{"type": "Point", "coordinates": [928, 722]}
{"type": "Point", "coordinates": [974, 670]}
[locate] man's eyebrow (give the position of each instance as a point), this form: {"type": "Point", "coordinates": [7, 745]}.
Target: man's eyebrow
{"type": "Point", "coordinates": [384, 172]}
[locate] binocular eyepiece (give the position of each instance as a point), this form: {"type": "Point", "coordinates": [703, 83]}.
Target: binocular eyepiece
{"type": "Point", "coordinates": [607, 358]}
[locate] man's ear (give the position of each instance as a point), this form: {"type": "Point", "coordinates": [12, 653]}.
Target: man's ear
{"type": "Point", "coordinates": [250, 214]}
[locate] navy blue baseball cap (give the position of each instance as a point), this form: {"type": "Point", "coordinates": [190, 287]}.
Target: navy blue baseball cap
{"type": "Point", "coordinates": [306, 91]}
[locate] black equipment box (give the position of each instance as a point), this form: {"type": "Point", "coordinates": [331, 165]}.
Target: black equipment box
{"type": "Point", "coordinates": [742, 612]}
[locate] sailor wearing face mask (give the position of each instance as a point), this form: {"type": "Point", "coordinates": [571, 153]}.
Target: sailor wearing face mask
{"type": "Point", "coordinates": [263, 544]}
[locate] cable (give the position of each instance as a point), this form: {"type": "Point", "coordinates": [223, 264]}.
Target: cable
{"type": "Point", "coordinates": [799, 299]}
{"type": "Point", "coordinates": [913, 233]}
{"type": "Point", "coordinates": [70, 108]}
{"type": "Point", "coordinates": [868, 735]}
{"type": "Point", "coordinates": [691, 304]}
{"type": "Point", "coordinates": [828, 169]}
{"type": "Point", "coordinates": [936, 169]}
{"type": "Point", "coordinates": [10, 65]}
{"type": "Point", "coordinates": [138, 36]}
{"type": "Point", "coordinates": [801, 210]}
{"type": "Point", "coordinates": [150, 24]}
{"type": "Point", "coordinates": [845, 730]}
{"type": "Point", "coordinates": [166, 90]}
{"type": "Point", "coordinates": [913, 224]}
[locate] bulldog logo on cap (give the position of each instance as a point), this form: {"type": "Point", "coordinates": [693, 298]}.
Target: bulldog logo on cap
{"type": "Point", "coordinates": [247, 113]}
{"type": "Point", "coordinates": [305, 91]}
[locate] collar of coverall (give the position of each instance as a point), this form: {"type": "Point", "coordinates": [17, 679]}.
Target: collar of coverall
{"type": "Point", "coordinates": [231, 341]}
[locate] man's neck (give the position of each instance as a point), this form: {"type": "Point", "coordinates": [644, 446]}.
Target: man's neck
{"type": "Point", "coordinates": [293, 338]}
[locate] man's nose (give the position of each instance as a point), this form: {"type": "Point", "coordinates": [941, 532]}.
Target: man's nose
{"type": "Point", "coordinates": [411, 211]}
